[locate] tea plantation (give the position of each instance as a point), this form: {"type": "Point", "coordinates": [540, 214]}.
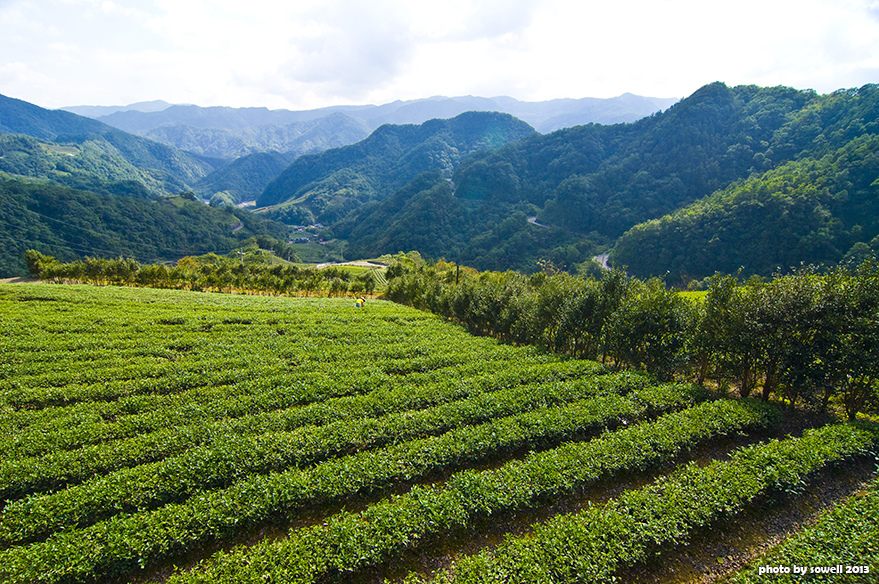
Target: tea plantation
{"type": "Point", "coordinates": [172, 436]}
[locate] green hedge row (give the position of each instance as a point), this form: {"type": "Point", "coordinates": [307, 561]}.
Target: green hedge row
{"type": "Point", "coordinates": [844, 538]}
{"type": "Point", "coordinates": [20, 476]}
{"type": "Point", "coordinates": [48, 430]}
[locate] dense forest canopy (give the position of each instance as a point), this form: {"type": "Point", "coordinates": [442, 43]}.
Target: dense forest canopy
{"type": "Point", "coordinates": [818, 210]}
{"type": "Point", "coordinates": [69, 224]}
{"type": "Point", "coordinates": [242, 179]}
{"type": "Point", "coordinates": [389, 158]}
{"type": "Point", "coordinates": [107, 150]}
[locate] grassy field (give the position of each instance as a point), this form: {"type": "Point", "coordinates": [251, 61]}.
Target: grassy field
{"type": "Point", "coordinates": [169, 436]}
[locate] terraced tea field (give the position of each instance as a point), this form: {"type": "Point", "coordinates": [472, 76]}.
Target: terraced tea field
{"type": "Point", "coordinates": [167, 436]}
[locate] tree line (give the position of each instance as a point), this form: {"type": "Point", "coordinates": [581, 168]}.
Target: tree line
{"type": "Point", "coordinates": [804, 337]}
{"type": "Point", "coordinates": [251, 272]}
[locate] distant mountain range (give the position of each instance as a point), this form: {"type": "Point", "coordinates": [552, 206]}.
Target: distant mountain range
{"type": "Point", "coordinates": [730, 177]}
{"type": "Point", "coordinates": [225, 132]}
{"type": "Point", "coordinates": [96, 111]}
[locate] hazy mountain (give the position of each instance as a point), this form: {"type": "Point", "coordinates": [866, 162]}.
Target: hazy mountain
{"type": "Point", "coordinates": [228, 118]}
{"type": "Point", "coordinates": [296, 138]}
{"type": "Point", "coordinates": [95, 111]}
{"type": "Point", "coordinates": [226, 132]}
{"type": "Point", "coordinates": [543, 115]}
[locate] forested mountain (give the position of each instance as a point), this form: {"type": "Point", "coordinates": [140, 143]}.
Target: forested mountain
{"type": "Point", "coordinates": [590, 184]}
{"type": "Point", "coordinates": [69, 224]}
{"type": "Point", "coordinates": [605, 179]}
{"type": "Point", "coordinates": [61, 177]}
{"type": "Point", "coordinates": [90, 146]}
{"type": "Point", "coordinates": [816, 210]}
{"type": "Point", "coordinates": [728, 178]}
{"type": "Point", "coordinates": [329, 185]}
{"type": "Point", "coordinates": [21, 117]}
{"type": "Point", "coordinates": [83, 166]}
{"type": "Point", "coordinates": [242, 179]}
{"type": "Point", "coordinates": [426, 216]}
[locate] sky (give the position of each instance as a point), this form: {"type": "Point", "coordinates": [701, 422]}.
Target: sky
{"type": "Point", "coordinates": [305, 54]}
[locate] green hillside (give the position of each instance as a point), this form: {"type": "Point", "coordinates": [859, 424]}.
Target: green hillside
{"type": "Point", "coordinates": [608, 178]}
{"type": "Point", "coordinates": [243, 179]}
{"type": "Point", "coordinates": [331, 184]}
{"type": "Point", "coordinates": [100, 150]}
{"type": "Point", "coordinates": [88, 166]}
{"type": "Point", "coordinates": [817, 210]}
{"type": "Point", "coordinates": [69, 224]}
{"type": "Point", "coordinates": [71, 187]}
{"type": "Point", "coordinates": [427, 216]}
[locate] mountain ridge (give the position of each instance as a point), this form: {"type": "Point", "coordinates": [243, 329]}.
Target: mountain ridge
{"type": "Point", "coordinates": [466, 188]}
{"type": "Point", "coordinates": [346, 177]}
{"type": "Point", "coordinates": [589, 184]}
{"type": "Point", "coordinates": [203, 129]}
{"type": "Point", "coordinates": [626, 107]}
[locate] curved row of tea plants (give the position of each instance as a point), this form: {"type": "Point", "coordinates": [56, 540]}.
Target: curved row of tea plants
{"type": "Point", "coordinates": [241, 415]}
{"type": "Point", "coordinates": [34, 432]}
{"type": "Point", "coordinates": [22, 475]}
{"type": "Point", "coordinates": [846, 536]}
{"type": "Point", "coordinates": [124, 543]}
{"type": "Point", "coordinates": [350, 541]}
{"type": "Point", "coordinates": [591, 545]}
{"type": "Point", "coordinates": [229, 459]}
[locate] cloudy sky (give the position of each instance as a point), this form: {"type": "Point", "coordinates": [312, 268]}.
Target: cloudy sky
{"type": "Point", "coordinates": [302, 54]}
